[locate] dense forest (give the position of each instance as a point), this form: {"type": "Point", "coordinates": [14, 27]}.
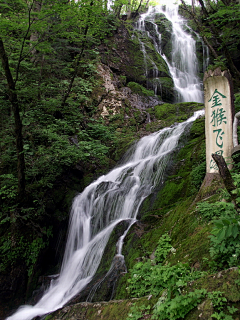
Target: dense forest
{"type": "Point", "coordinates": [73, 97]}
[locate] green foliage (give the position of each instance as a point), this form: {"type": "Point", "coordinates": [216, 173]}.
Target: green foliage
{"type": "Point", "coordinates": [163, 248]}
{"type": "Point", "coordinates": [9, 186]}
{"type": "Point", "coordinates": [237, 102]}
{"type": "Point", "coordinates": [56, 136]}
{"type": "Point", "coordinates": [219, 303]}
{"type": "Point", "coordinates": [22, 249]}
{"type": "Point", "coordinates": [225, 247]}
{"type": "Point", "coordinates": [137, 312]}
{"type": "Point", "coordinates": [198, 174]}
{"type": "Point", "coordinates": [126, 6]}
{"type": "Point", "coordinates": [139, 89]}
{"type": "Point", "coordinates": [209, 211]}
{"type": "Point", "coordinates": [179, 306]}
{"type": "Point", "coordinates": [149, 278]}
{"type": "Point", "coordinates": [226, 18]}
{"type": "Point", "coordinates": [219, 62]}
{"type": "Point", "coordinates": [236, 178]}
{"type": "Point", "coordinates": [221, 316]}
{"type": "Point", "coordinates": [170, 281]}
{"type": "Point", "coordinates": [52, 144]}
{"type": "Point", "coordinates": [225, 235]}
{"type": "Point", "coordinates": [44, 47]}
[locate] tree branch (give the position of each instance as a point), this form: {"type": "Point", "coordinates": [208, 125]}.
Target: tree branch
{"type": "Point", "coordinates": [18, 124]}
{"type": "Point", "coordinates": [200, 27]}
{"type": "Point", "coordinates": [225, 175]}
{"type": "Point", "coordinates": [76, 68]}
{"type": "Point", "coordinates": [23, 42]}
{"type": "Point", "coordinates": [77, 63]}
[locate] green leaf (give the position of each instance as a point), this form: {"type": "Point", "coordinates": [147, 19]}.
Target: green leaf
{"type": "Point", "coordinates": [235, 231]}
{"type": "Point", "coordinates": [226, 222]}
{"type": "Point", "coordinates": [221, 234]}
{"type": "Point", "coordinates": [229, 230]}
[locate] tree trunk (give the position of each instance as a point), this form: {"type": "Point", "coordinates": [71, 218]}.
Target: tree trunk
{"type": "Point", "coordinates": [18, 123]}
{"type": "Point", "coordinates": [140, 4]}
{"type": "Point", "coordinates": [225, 175]}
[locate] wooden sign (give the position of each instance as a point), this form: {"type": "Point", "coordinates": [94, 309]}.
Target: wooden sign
{"type": "Point", "coordinates": [219, 113]}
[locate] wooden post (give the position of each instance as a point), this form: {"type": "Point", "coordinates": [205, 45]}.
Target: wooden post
{"type": "Point", "coordinates": [219, 114]}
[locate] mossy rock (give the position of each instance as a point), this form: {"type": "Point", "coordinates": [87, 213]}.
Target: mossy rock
{"type": "Point", "coordinates": [178, 112]}
{"type": "Point", "coordinates": [225, 282]}
{"type": "Point", "coordinates": [102, 286]}
{"type": "Point", "coordinates": [132, 63]}
{"type": "Point", "coordinates": [113, 310]}
{"type": "Point", "coordinates": [164, 88]}
{"type": "Point", "coordinates": [139, 89]}
{"type": "Point", "coordinates": [165, 29]}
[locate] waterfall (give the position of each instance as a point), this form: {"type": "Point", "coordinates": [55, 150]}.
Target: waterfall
{"type": "Point", "coordinates": [183, 65]}
{"type": "Point", "coordinates": [112, 198]}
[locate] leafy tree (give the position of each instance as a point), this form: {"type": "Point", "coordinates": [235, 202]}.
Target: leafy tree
{"type": "Point", "coordinates": [129, 6]}
{"type": "Point", "coordinates": [218, 24]}
{"type": "Point", "coordinates": [48, 71]}
{"type": "Point", "coordinates": [32, 33]}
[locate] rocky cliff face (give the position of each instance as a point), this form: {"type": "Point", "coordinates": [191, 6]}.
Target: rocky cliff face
{"type": "Point", "coordinates": [124, 56]}
{"type": "Point", "coordinates": [117, 101]}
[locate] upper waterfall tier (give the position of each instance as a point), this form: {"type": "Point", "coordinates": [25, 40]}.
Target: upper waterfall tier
{"type": "Point", "coordinates": [182, 60]}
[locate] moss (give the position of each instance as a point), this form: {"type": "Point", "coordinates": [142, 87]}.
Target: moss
{"type": "Point", "coordinates": [165, 87]}
{"type": "Point", "coordinates": [177, 112]}
{"type": "Point", "coordinates": [225, 281]}
{"type": "Point", "coordinates": [114, 310]}
{"type": "Point", "coordinates": [155, 126]}
{"type": "Point", "coordinates": [165, 29]}
{"type": "Point", "coordinates": [122, 79]}
{"type": "Point", "coordinates": [128, 58]}
{"type": "Point", "coordinates": [212, 183]}
{"type": "Point", "coordinates": [170, 209]}
{"type": "Point", "coordinates": [167, 114]}
{"type": "Point", "coordinates": [139, 89]}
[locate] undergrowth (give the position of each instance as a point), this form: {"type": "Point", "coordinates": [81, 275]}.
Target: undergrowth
{"type": "Point", "coordinates": [171, 284]}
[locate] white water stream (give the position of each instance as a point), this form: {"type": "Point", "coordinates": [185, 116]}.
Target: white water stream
{"type": "Point", "coordinates": [112, 198]}
{"type": "Point", "coordinates": [117, 196]}
{"type": "Point", "coordinates": [183, 65]}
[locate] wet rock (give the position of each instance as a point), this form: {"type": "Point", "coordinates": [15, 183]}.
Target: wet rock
{"type": "Point", "coordinates": [103, 285]}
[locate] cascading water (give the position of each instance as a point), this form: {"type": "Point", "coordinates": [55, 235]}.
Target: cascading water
{"type": "Point", "coordinates": [183, 65]}
{"type": "Point", "coordinates": [112, 198]}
